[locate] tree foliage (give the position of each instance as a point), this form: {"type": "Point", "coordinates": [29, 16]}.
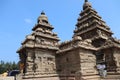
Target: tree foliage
{"type": "Point", "coordinates": [7, 66]}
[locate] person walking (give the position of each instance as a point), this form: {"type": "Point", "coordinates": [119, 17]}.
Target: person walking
{"type": "Point", "coordinates": [102, 70]}
{"type": "Point", "coordinates": [99, 67]}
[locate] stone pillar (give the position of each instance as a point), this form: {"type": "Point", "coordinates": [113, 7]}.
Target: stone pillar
{"type": "Point", "coordinates": [116, 56]}
{"type": "Point", "coordinates": [29, 61]}
{"type": "Point", "coordinates": [78, 75]}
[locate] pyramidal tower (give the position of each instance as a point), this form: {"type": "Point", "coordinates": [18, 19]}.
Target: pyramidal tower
{"type": "Point", "coordinates": [37, 53]}
{"type": "Point", "coordinates": [91, 26]}
{"type": "Point", "coordinates": [92, 44]}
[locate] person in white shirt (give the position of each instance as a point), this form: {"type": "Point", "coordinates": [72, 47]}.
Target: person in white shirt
{"type": "Point", "coordinates": [101, 68]}
{"type": "Point", "coordinates": [104, 70]}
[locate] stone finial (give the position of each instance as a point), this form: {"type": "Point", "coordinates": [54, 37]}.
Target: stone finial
{"type": "Point", "coordinates": [42, 13]}
{"type": "Point", "coordinates": [42, 17]}
{"type": "Point", "coordinates": [86, 4]}
{"type": "Point", "coordinates": [86, 0]}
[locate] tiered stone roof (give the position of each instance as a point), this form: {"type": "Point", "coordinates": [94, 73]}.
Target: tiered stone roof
{"type": "Point", "coordinates": [90, 29]}
{"type": "Point", "coordinates": [42, 35]}
{"type": "Point", "coordinates": [90, 20]}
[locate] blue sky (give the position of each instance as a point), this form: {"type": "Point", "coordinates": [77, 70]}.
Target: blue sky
{"type": "Point", "coordinates": [17, 18]}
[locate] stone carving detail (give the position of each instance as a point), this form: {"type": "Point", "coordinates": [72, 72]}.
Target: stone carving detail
{"type": "Point", "coordinates": [30, 56]}
{"type": "Point", "coordinates": [29, 59]}
{"type": "Point", "coordinates": [108, 42]}
{"type": "Point", "coordinates": [87, 42]}
{"type": "Point", "coordinates": [102, 34]}
{"type": "Point", "coordinates": [40, 40]}
{"type": "Point", "coordinates": [77, 38]}
{"type": "Point", "coordinates": [99, 32]}
{"type": "Point", "coordinates": [29, 66]}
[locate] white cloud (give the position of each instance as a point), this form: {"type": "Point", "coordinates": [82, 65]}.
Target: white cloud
{"type": "Point", "coordinates": [28, 21]}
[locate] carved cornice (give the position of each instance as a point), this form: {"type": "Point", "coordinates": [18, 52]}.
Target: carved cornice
{"type": "Point", "coordinates": [73, 44]}
{"type": "Point", "coordinates": [25, 46]}
{"type": "Point", "coordinates": [110, 43]}
{"type": "Point", "coordinates": [42, 25]}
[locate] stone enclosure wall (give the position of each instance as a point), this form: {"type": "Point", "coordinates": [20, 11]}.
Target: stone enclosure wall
{"type": "Point", "coordinates": [68, 63]}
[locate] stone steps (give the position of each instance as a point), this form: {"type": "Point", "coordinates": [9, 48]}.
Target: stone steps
{"type": "Point", "coordinates": [97, 77]}
{"type": "Point", "coordinates": [112, 77]}
{"type": "Point", "coordinates": [94, 77]}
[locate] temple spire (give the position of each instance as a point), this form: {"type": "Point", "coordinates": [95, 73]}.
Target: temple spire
{"type": "Point", "coordinates": [42, 13]}
{"type": "Point", "coordinates": [86, 0]}
{"type": "Point", "coordinates": [86, 4]}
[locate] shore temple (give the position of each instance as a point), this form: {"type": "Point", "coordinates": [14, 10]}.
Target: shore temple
{"type": "Point", "coordinates": [43, 57]}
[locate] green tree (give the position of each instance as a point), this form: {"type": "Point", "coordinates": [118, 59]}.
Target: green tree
{"type": "Point", "coordinates": [8, 66]}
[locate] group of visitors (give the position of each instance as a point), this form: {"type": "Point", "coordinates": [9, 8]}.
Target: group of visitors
{"type": "Point", "coordinates": [102, 69]}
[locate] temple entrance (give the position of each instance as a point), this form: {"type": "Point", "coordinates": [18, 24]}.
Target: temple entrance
{"type": "Point", "coordinates": [107, 58]}
{"type": "Point", "coordinates": [100, 57]}
{"type": "Point", "coordinates": [22, 63]}
{"type": "Point", "coordinates": [110, 63]}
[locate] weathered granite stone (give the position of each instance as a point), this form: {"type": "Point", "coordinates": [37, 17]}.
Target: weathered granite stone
{"type": "Point", "coordinates": [43, 58]}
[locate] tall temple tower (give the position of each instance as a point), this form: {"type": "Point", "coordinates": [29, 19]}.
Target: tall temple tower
{"type": "Point", "coordinates": [92, 44]}
{"type": "Point", "coordinates": [91, 26]}
{"type": "Point", "coordinates": [37, 54]}
{"type": "Point", "coordinates": [42, 58]}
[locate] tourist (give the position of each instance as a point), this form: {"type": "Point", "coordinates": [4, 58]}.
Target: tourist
{"type": "Point", "coordinates": [99, 67]}
{"type": "Point", "coordinates": [102, 70]}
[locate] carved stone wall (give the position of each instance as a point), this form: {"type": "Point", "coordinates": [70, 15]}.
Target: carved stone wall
{"type": "Point", "coordinates": [39, 62]}
{"type": "Point", "coordinates": [45, 61]}
{"type": "Point", "coordinates": [76, 63]}
{"type": "Point", "coordinates": [87, 62]}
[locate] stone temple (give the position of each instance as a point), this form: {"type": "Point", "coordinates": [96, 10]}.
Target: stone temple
{"type": "Point", "coordinates": [42, 57]}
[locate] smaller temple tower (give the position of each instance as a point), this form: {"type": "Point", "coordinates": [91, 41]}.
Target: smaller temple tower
{"type": "Point", "coordinates": [37, 54]}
